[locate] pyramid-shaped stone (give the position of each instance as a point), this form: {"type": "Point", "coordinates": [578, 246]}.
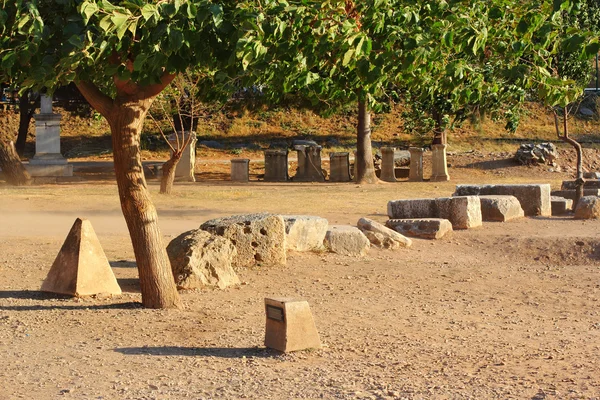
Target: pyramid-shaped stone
{"type": "Point", "coordinates": [81, 267]}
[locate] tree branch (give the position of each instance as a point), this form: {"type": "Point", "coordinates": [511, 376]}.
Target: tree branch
{"type": "Point", "coordinates": [153, 90]}
{"type": "Point", "coordinates": [101, 102]}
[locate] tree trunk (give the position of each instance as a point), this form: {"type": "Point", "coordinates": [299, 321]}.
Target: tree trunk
{"type": "Point", "coordinates": [168, 173]}
{"type": "Point", "coordinates": [14, 171]}
{"type": "Point", "coordinates": [579, 181]}
{"type": "Point", "coordinates": [365, 168]}
{"type": "Point", "coordinates": [156, 278]}
{"type": "Point", "coordinates": [439, 133]}
{"type": "Point", "coordinates": [26, 110]}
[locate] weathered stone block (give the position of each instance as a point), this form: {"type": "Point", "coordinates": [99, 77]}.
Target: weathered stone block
{"type": "Point", "coordinates": [380, 235]}
{"type": "Point", "coordinates": [81, 267]}
{"type": "Point", "coordinates": [411, 208]}
{"type": "Point", "coordinates": [290, 325]}
{"type": "Point", "coordinates": [426, 228]}
{"type": "Point", "coordinates": [534, 198]}
{"type": "Point", "coordinates": [339, 167]}
{"type": "Point", "coordinates": [500, 208]}
{"type": "Point", "coordinates": [560, 205]}
{"type": "Point", "coordinates": [388, 174]}
{"type": "Point", "coordinates": [570, 194]}
{"type": "Point", "coordinates": [346, 240]}
{"type": "Point", "coordinates": [572, 185]}
{"type": "Point", "coordinates": [258, 238]}
{"type": "Point", "coordinates": [463, 212]}
{"type": "Point", "coordinates": [276, 165]}
{"type": "Point", "coordinates": [304, 232]}
{"type": "Point", "coordinates": [199, 259]}
{"type": "Point", "coordinates": [588, 208]}
{"type": "Point", "coordinates": [240, 171]}
{"type": "Point", "coordinates": [591, 175]}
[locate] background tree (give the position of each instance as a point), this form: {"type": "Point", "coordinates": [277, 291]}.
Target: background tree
{"type": "Point", "coordinates": [121, 56]}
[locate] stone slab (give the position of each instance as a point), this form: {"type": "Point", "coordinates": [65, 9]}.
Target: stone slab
{"type": "Point", "coordinates": [382, 236]}
{"type": "Point", "coordinates": [591, 175]}
{"type": "Point", "coordinates": [500, 208]}
{"type": "Point", "coordinates": [48, 170]}
{"type": "Point", "coordinates": [572, 185]}
{"type": "Point", "coordinates": [258, 238]}
{"type": "Point", "coordinates": [561, 205]}
{"type": "Point", "coordinates": [463, 212]}
{"type": "Point", "coordinates": [570, 194]}
{"type": "Point", "coordinates": [411, 208]}
{"type": "Point", "coordinates": [346, 240]}
{"type": "Point", "coordinates": [425, 228]}
{"type": "Point", "coordinates": [305, 232]}
{"type": "Point", "coordinates": [534, 198]}
{"type": "Point", "coordinates": [290, 325]}
{"type": "Point", "coordinates": [81, 267]}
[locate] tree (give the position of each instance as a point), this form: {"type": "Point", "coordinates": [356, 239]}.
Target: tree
{"type": "Point", "coordinates": [121, 56]}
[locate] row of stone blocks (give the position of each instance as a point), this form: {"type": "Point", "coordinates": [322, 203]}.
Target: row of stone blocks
{"type": "Point", "coordinates": [309, 165]}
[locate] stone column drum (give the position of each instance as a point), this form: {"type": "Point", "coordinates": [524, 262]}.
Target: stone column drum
{"type": "Point", "coordinates": [339, 167]}
{"type": "Point", "coordinates": [387, 165]}
{"type": "Point", "coordinates": [187, 164]}
{"type": "Point", "coordinates": [415, 173]}
{"type": "Point", "coordinates": [48, 161]}
{"type": "Point", "coordinates": [439, 166]}
{"type": "Point", "coordinates": [240, 170]}
{"type": "Point", "coordinates": [276, 166]}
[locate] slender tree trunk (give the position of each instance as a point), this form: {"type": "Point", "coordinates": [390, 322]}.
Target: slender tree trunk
{"type": "Point", "coordinates": [168, 173]}
{"type": "Point", "coordinates": [26, 110]}
{"type": "Point", "coordinates": [579, 181]}
{"type": "Point", "coordinates": [14, 171]}
{"type": "Point", "coordinates": [156, 278]}
{"type": "Point", "coordinates": [365, 168]}
{"type": "Point", "coordinates": [439, 133]}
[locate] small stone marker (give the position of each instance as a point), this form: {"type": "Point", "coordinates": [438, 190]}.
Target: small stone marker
{"type": "Point", "coordinates": [276, 166]}
{"type": "Point", "coordinates": [439, 165]}
{"type": "Point", "coordinates": [290, 325]}
{"type": "Point", "coordinates": [184, 171]}
{"type": "Point", "coordinates": [81, 267]}
{"type": "Point", "coordinates": [415, 173]}
{"type": "Point", "coordinates": [240, 170]}
{"type": "Point", "coordinates": [388, 173]}
{"type": "Point", "coordinates": [309, 164]}
{"type": "Point", "coordinates": [339, 167]}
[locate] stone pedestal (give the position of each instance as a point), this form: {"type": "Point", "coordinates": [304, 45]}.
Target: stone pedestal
{"type": "Point", "coordinates": [387, 165]}
{"type": "Point", "coordinates": [48, 161]}
{"type": "Point", "coordinates": [339, 167]}
{"type": "Point", "coordinates": [439, 166]}
{"type": "Point", "coordinates": [240, 170]}
{"type": "Point", "coordinates": [416, 164]}
{"type": "Point", "coordinates": [187, 164]}
{"type": "Point", "coordinates": [276, 166]}
{"type": "Point", "coordinates": [309, 164]}
{"type": "Point", "coordinates": [290, 325]}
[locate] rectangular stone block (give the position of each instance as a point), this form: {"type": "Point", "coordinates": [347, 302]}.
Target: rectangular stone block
{"type": "Point", "coordinates": [426, 228]}
{"type": "Point", "coordinates": [463, 212]}
{"type": "Point", "coordinates": [276, 166]}
{"type": "Point", "coordinates": [290, 325]}
{"type": "Point", "coordinates": [570, 194]}
{"type": "Point", "coordinates": [572, 185]}
{"type": "Point", "coordinates": [561, 205]}
{"type": "Point", "coordinates": [411, 208]}
{"type": "Point", "coordinates": [500, 208]}
{"type": "Point", "coordinates": [534, 198]}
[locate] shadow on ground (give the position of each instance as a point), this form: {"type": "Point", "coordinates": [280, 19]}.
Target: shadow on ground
{"type": "Point", "coordinates": [221, 352]}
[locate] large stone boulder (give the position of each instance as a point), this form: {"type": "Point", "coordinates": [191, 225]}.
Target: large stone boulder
{"type": "Point", "coordinates": [543, 153]}
{"type": "Point", "coordinates": [346, 240]}
{"type": "Point", "coordinates": [500, 208]}
{"type": "Point", "coordinates": [588, 207]}
{"type": "Point", "coordinates": [534, 198]}
{"type": "Point", "coordinates": [381, 236]}
{"type": "Point", "coordinates": [258, 238]}
{"type": "Point", "coordinates": [560, 205]}
{"type": "Point", "coordinates": [426, 228]}
{"type": "Point", "coordinates": [304, 232]}
{"type": "Point", "coordinates": [199, 259]}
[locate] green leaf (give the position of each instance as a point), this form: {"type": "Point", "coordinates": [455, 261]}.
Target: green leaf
{"type": "Point", "coordinates": [217, 13]}
{"type": "Point", "coordinates": [105, 23]}
{"type": "Point", "coordinates": [347, 57]}
{"type": "Point", "coordinates": [88, 10]}
{"type": "Point", "coordinates": [120, 21]}
{"type": "Point", "coordinates": [149, 11]}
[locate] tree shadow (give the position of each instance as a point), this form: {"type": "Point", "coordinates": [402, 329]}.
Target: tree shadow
{"type": "Point", "coordinates": [44, 296]}
{"type": "Point", "coordinates": [220, 352]}
{"type": "Point", "coordinates": [491, 164]}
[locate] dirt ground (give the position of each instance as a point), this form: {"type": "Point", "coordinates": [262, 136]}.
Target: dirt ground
{"type": "Point", "coordinates": [504, 311]}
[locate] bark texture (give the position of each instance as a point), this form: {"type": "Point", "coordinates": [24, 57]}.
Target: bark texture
{"type": "Point", "coordinates": [580, 182]}
{"type": "Point", "coordinates": [365, 168]}
{"type": "Point", "coordinates": [26, 110]}
{"type": "Point", "coordinates": [125, 116]}
{"type": "Point", "coordinates": [168, 173]}
{"type": "Point", "coordinates": [14, 171]}
{"type": "Point", "coordinates": [439, 133]}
